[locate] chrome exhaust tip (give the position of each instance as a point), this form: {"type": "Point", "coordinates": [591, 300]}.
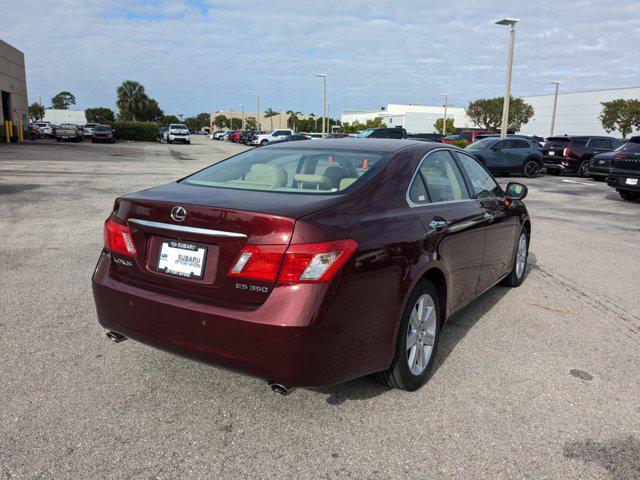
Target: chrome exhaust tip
{"type": "Point", "coordinates": [280, 389]}
{"type": "Point", "coordinates": [115, 337]}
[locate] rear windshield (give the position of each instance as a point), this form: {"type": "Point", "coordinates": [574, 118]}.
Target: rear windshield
{"type": "Point", "coordinates": [67, 126]}
{"type": "Point", "coordinates": [290, 170]}
{"type": "Point", "coordinates": [559, 139]}
{"type": "Point", "coordinates": [633, 146]}
{"type": "Point", "coordinates": [102, 128]}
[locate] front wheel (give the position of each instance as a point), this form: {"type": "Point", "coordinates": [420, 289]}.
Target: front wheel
{"type": "Point", "coordinates": [264, 142]}
{"type": "Point", "coordinates": [631, 196]}
{"type": "Point", "coordinates": [531, 169]}
{"type": "Point", "coordinates": [417, 340]}
{"type": "Point", "coordinates": [516, 277]}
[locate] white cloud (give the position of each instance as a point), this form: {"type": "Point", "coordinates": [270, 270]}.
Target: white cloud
{"type": "Point", "coordinates": [199, 56]}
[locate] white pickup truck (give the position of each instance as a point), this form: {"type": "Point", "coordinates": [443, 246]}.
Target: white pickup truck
{"type": "Point", "coordinates": [272, 135]}
{"type": "Point", "coordinates": [177, 132]}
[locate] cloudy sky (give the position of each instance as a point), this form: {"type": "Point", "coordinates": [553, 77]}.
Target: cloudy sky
{"type": "Point", "coordinates": [195, 56]}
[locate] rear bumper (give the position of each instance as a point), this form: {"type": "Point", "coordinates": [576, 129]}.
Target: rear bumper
{"type": "Point", "coordinates": [619, 182]}
{"type": "Point", "coordinates": [302, 335]}
{"type": "Point", "coordinates": [560, 164]}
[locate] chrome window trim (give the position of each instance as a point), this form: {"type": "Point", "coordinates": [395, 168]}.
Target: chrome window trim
{"type": "Point", "coordinates": [185, 229]}
{"type": "Point", "coordinates": [412, 204]}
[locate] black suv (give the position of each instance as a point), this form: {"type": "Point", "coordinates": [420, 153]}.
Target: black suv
{"type": "Point", "coordinates": [624, 175]}
{"type": "Point", "coordinates": [383, 133]}
{"type": "Point", "coordinates": [571, 154]}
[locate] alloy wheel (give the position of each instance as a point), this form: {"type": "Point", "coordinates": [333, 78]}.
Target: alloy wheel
{"type": "Point", "coordinates": [584, 169]}
{"type": "Point", "coordinates": [421, 334]}
{"type": "Point", "coordinates": [531, 169]}
{"type": "Point", "coordinates": [521, 255]}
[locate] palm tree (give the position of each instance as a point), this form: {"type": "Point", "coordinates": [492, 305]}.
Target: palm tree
{"type": "Point", "coordinates": [293, 118]}
{"type": "Point", "coordinates": [132, 100]}
{"type": "Point", "coordinates": [270, 113]}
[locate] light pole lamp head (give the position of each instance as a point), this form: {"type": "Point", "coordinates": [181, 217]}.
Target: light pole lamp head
{"type": "Point", "coordinates": [554, 83]}
{"type": "Point", "coordinates": [256, 95]}
{"type": "Point", "coordinates": [508, 21]}
{"type": "Point", "coordinates": [322, 75]}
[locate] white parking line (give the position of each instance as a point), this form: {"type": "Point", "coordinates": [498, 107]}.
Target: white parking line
{"type": "Point", "coordinates": [579, 183]}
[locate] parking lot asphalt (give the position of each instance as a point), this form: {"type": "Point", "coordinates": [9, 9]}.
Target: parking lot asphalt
{"type": "Point", "coordinates": [541, 381]}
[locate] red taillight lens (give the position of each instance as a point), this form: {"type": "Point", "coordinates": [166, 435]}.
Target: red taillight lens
{"type": "Point", "coordinates": [308, 263]}
{"type": "Point", "coordinates": [260, 262]}
{"type": "Point", "coordinates": [566, 152]}
{"type": "Point", "coordinates": [117, 238]}
{"type": "Point", "coordinates": [315, 262]}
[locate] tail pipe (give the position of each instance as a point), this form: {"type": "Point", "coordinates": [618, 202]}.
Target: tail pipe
{"type": "Point", "coordinates": [280, 389]}
{"type": "Point", "coordinates": [115, 337]}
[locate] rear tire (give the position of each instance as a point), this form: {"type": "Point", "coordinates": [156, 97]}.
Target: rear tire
{"type": "Point", "coordinates": [583, 170]}
{"type": "Point", "coordinates": [530, 169]}
{"type": "Point", "coordinates": [420, 325]}
{"type": "Point", "coordinates": [517, 274]}
{"type": "Point", "coordinates": [630, 196]}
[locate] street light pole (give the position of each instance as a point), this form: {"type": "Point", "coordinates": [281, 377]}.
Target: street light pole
{"type": "Point", "coordinates": [241, 116]}
{"type": "Point", "coordinates": [324, 101]}
{"type": "Point", "coordinates": [507, 94]}
{"type": "Point", "coordinates": [444, 118]}
{"type": "Point", "coordinates": [555, 104]}
{"type": "Point", "coordinates": [258, 110]}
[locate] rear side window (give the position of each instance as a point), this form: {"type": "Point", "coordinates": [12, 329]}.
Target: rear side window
{"type": "Point", "coordinates": [484, 186]}
{"type": "Point", "coordinates": [438, 179]}
{"type": "Point", "coordinates": [631, 147]}
{"type": "Point", "coordinates": [395, 134]}
{"type": "Point", "coordinates": [292, 170]}
{"type": "Point", "coordinates": [599, 143]}
{"type": "Point", "coordinates": [519, 144]}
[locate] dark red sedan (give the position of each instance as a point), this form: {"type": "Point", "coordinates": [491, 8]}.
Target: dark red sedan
{"type": "Point", "coordinates": [312, 263]}
{"type": "Point", "coordinates": [103, 133]}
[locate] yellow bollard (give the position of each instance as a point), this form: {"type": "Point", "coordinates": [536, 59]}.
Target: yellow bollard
{"type": "Point", "coordinates": [11, 128]}
{"type": "Point", "coordinates": [20, 132]}
{"type": "Point", "coordinates": [6, 129]}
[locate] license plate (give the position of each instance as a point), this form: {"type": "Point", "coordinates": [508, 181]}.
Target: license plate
{"type": "Point", "coordinates": [552, 153]}
{"type": "Point", "coordinates": [182, 259]}
{"type": "Point", "coordinates": [631, 181]}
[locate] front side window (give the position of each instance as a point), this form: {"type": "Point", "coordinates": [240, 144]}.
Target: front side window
{"type": "Point", "coordinates": [438, 179]}
{"type": "Point", "coordinates": [484, 186]}
{"type": "Point", "coordinates": [292, 170]}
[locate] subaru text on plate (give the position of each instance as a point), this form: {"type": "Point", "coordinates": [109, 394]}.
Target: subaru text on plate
{"type": "Point", "coordinates": [312, 263]}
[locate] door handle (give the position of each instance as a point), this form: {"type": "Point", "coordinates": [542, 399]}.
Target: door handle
{"type": "Point", "coordinates": [488, 216]}
{"type": "Point", "coordinates": [438, 224]}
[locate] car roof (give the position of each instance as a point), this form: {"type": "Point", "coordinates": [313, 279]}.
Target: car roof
{"type": "Point", "coordinates": [362, 144]}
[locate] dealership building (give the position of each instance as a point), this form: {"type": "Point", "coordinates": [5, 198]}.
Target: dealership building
{"type": "Point", "coordinates": [13, 89]}
{"type": "Point", "coordinates": [577, 113]}
{"type": "Point", "coordinates": [413, 118]}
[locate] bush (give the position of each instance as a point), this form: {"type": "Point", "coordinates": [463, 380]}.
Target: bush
{"type": "Point", "coordinates": [138, 131]}
{"type": "Point", "coordinates": [461, 142]}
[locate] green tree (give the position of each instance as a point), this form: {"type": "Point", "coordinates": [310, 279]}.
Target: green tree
{"type": "Point", "coordinates": [63, 100]}
{"type": "Point", "coordinates": [621, 115]}
{"type": "Point", "coordinates": [198, 122]}
{"type": "Point", "coordinates": [101, 115]}
{"type": "Point", "coordinates": [131, 100]}
{"type": "Point", "coordinates": [167, 120]}
{"type": "Point", "coordinates": [487, 113]}
{"type": "Point", "coordinates": [270, 113]}
{"type": "Point", "coordinates": [221, 121]}
{"type": "Point", "coordinates": [293, 118]}
{"type": "Point", "coordinates": [236, 124]}
{"type": "Point", "coordinates": [450, 128]}
{"type": "Point", "coordinates": [150, 111]}
{"type": "Point", "coordinates": [36, 112]}
{"type": "Point", "coordinates": [356, 126]}
{"type": "Point", "coordinates": [250, 123]}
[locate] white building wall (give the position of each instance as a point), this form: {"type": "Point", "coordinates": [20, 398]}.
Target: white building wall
{"type": "Point", "coordinates": [576, 114]}
{"type": "Point", "coordinates": [414, 118]}
{"type": "Point", "coordinates": [57, 117]}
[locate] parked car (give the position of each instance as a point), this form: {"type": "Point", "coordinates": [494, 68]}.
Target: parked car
{"type": "Point", "coordinates": [314, 135]}
{"type": "Point", "coordinates": [337, 135]}
{"type": "Point", "coordinates": [467, 135]}
{"type": "Point", "coordinates": [88, 129]}
{"type": "Point", "coordinates": [383, 133]}
{"type": "Point", "coordinates": [571, 154]}
{"type": "Point", "coordinates": [247, 136]}
{"type": "Point", "coordinates": [256, 263]}
{"type": "Point", "coordinates": [69, 132]}
{"type": "Point", "coordinates": [103, 133]}
{"type": "Point", "coordinates": [263, 139]}
{"type": "Point", "coordinates": [292, 138]}
{"type": "Point", "coordinates": [508, 155]}
{"type": "Point", "coordinates": [45, 128]}
{"type": "Point", "coordinates": [213, 135]}
{"type": "Point", "coordinates": [177, 132]}
{"type": "Point", "coordinates": [624, 175]}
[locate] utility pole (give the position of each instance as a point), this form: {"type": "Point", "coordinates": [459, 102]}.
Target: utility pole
{"type": "Point", "coordinates": [507, 93]}
{"type": "Point", "coordinates": [324, 102]}
{"type": "Point", "coordinates": [444, 118]}
{"type": "Point", "coordinates": [258, 110]}
{"type": "Point", "coordinates": [555, 105]}
{"type": "Point", "coordinates": [242, 116]}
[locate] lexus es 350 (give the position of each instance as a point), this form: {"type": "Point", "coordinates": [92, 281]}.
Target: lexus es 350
{"type": "Point", "coordinates": [312, 263]}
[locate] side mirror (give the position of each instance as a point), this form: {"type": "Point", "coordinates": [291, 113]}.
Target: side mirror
{"type": "Point", "coordinates": [516, 191]}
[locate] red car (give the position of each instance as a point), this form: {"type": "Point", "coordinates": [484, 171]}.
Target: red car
{"type": "Point", "coordinates": [103, 133]}
{"type": "Point", "coordinates": [468, 135]}
{"type": "Point", "coordinates": [312, 263]}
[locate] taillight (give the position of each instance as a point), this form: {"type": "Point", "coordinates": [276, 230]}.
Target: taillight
{"type": "Point", "coordinates": [117, 238]}
{"type": "Point", "coordinates": [566, 152]}
{"type": "Point", "coordinates": [619, 155]}
{"type": "Point", "coordinates": [305, 263]}
{"type": "Point", "coordinates": [259, 262]}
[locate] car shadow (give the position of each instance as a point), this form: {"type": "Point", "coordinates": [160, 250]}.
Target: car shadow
{"type": "Point", "coordinates": [456, 328]}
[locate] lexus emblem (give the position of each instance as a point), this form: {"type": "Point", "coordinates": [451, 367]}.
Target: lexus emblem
{"type": "Point", "coordinates": [178, 213]}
